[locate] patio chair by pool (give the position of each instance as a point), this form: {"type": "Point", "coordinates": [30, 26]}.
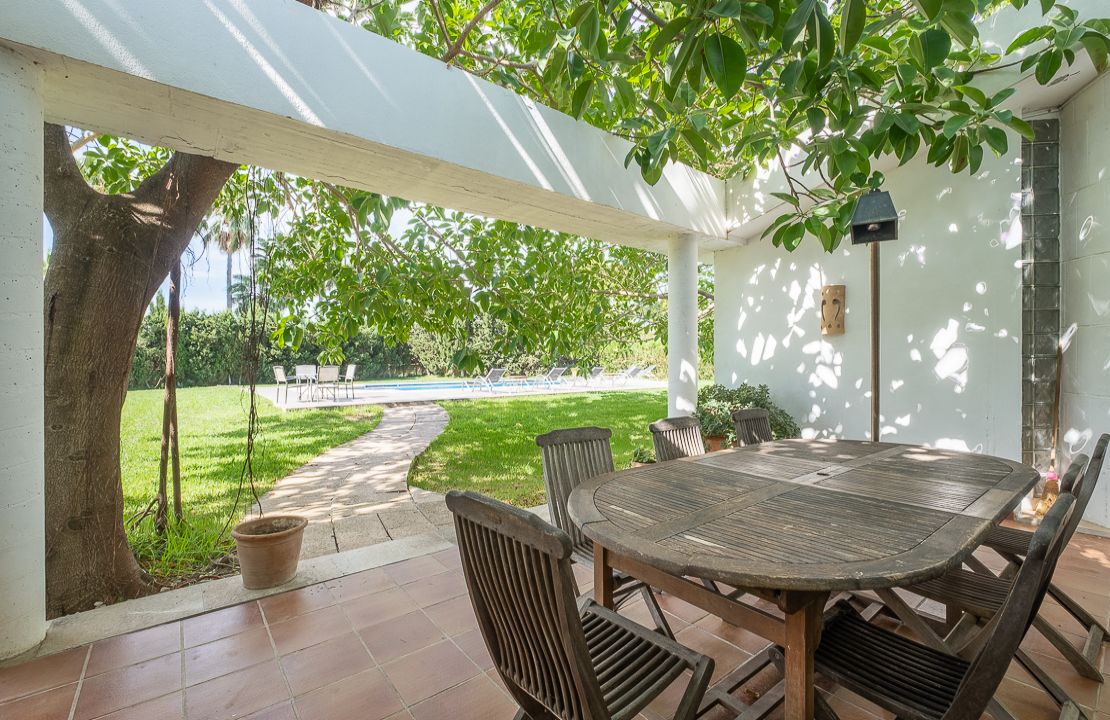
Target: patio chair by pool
{"type": "Point", "coordinates": [647, 373]}
{"type": "Point", "coordinates": [305, 377]}
{"type": "Point", "coordinates": [349, 381]}
{"type": "Point", "coordinates": [570, 457]}
{"type": "Point", "coordinates": [560, 656]}
{"type": "Point", "coordinates": [918, 682]}
{"type": "Point", "coordinates": [553, 377]}
{"type": "Point", "coordinates": [676, 437]}
{"type": "Point", "coordinates": [753, 426]}
{"type": "Point", "coordinates": [624, 375]}
{"type": "Point", "coordinates": [596, 374]}
{"type": "Point", "coordinates": [280, 379]}
{"type": "Point", "coordinates": [487, 381]}
{"type": "Point", "coordinates": [328, 379]}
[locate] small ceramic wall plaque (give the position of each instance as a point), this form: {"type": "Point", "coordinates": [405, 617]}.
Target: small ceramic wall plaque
{"type": "Point", "coordinates": [832, 310]}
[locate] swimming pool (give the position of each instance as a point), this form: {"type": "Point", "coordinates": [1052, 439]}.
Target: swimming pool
{"type": "Point", "coordinates": [441, 385]}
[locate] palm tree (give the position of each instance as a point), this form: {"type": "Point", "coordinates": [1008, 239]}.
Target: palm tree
{"type": "Point", "coordinates": [230, 236]}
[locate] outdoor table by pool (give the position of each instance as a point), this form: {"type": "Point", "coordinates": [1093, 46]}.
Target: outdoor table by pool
{"type": "Point", "coordinates": [792, 522]}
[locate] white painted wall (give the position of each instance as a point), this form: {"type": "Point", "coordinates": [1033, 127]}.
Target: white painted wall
{"type": "Point", "coordinates": [1085, 278]}
{"type": "Point", "coordinates": [951, 289]}
{"type": "Point", "coordinates": [22, 534]}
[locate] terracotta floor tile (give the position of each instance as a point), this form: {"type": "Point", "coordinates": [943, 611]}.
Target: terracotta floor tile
{"type": "Point", "coordinates": [325, 663]}
{"type": "Point", "coordinates": [474, 645]}
{"type": "Point", "coordinates": [1025, 702]}
{"type": "Point", "coordinates": [167, 707]}
{"type": "Point", "coordinates": [42, 673]}
{"type": "Point", "coordinates": [746, 640]}
{"type": "Point", "coordinates": [363, 583]}
{"type": "Point", "coordinates": [237, 694]}
{"type": "Point", "coordinates": [426, 672]}
{"type": "Point", "coordinates": [476, 699]}
{"type": "Point", "coordinates": [391, 639]}
{"type": "Point", "coordinates": [406, 715]}
{"type": "Point", "coordinates": [378, 607]}
{"type": "Point", "coordinates": [51, 704]}
{"type": "Point", "coordinates": [454, 616]}
{"type": "Point", "coordinates": [127, 686]}
{"type": "Point", "coordinates": [681, 608]}
{"type": "Point", "coordinates": [302, 601]}
{"type": "Point", "coordinates": [726, 656]}
{"type": "Point", "coordinates": [1082, 690]}
{"type": "Point", "coordinates": [414, 569]}
{"type": "Point", "coordinates": [436, 588]}
{"type": "Point", "coordinates": [366, 696]}
{"type": "Point", "coordinates": [226, 655]}
{"type": "Point", "coordinates": [281, 711]}
{"type": "Point", "coordinates": [221, 623]}
{"type": "Point", "coordinates": [116, 652]}
{"type": "Point", "coordinates": [449, 557]}
{"type": "Point", "coordinates": [305, 630]}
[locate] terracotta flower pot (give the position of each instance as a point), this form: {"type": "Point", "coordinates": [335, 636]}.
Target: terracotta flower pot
{"type": "Point", "coordinates": [269, 548]}
{"type": "Point", "coordinates": [716, 442]}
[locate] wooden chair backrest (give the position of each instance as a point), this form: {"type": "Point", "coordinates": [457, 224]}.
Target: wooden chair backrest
{"type": "Point", "coordinates": [677, 437]}
{"type": "Point", "coordinates": [517, 569]}
{"type": "Point", "coordinates": [753, 426]}
{"type": "Point", "coordinates": [571, 457]}
{"type": "Point", "coordinates": [1007, 628]}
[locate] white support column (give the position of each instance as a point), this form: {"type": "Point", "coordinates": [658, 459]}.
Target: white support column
{"type": "Point", "coordinates": [22, 534]}
{"type": "Point", "coordinates": [682, 326]}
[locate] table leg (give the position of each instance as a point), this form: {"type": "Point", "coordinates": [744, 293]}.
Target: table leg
{"type": "Point", "coordinates": [804, 616]}
{"type": "Point", "coordinates": [603, 577]}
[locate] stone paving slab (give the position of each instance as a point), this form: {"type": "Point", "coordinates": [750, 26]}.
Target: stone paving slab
{"type": "Point", "coordinates": [357, 494]}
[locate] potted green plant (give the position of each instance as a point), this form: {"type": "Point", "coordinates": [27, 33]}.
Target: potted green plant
{"type": "Point", "coordinates": [715, 417]}
{"type": "Point", "coordinates": [642, 456]}
{"type": "Point", "coordinates": [269, 548]}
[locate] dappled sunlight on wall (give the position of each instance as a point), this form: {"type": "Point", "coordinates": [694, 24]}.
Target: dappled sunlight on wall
{"type": "Point", "coordinates": [950, 318]}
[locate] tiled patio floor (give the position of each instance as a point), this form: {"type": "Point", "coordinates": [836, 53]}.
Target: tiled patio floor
{"type": "Point", "coordinates": [401, 642]}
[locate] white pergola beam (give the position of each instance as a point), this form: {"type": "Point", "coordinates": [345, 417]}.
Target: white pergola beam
{"type": "Point", "coordinates": [283, 86]}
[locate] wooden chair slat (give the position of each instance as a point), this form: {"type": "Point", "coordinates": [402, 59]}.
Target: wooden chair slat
{"type": "Point", "coordinates": [676, 437]}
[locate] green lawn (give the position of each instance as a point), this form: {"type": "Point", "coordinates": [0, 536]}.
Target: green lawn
{"type": "Point", "coordinates": [490, 445]}
{"type": "Point", "coordinates": [213, 423]}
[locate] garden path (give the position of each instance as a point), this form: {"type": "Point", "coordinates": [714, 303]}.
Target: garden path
{"type": "Point", "coordinates": [356, 494]}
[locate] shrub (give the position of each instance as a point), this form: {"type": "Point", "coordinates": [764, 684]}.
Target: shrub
{"type": "Point", "coordinates": [715, 400]}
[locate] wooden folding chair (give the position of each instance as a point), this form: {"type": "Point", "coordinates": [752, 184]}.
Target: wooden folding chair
{"type": "Point", "coordinates": [677, 437]}
{"type": "Point", "coordinates": [560, 658]}
{"type": "Point", "coordinates": [753, 426]}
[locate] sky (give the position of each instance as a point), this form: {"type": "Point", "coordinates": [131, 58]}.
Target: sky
{"type": "Point", "coordinates": [202, 273]}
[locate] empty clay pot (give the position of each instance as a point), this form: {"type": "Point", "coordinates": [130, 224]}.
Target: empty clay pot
{"type": "Point", "coordinates": [269, 548]}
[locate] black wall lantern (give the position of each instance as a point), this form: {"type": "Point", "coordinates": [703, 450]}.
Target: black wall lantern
{"type": "Point", "coordinates": [875, 218]}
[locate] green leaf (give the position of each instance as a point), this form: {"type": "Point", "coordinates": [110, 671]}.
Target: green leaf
{"type": "Point", "coordinates": [935, 46]}
{"type": "Point", "coordinates": [667, 34]}
{"type": "Point", "coordinates": [816, 119]}
{"type": "Point", "coordinates": [1029, 37]}
{"type": "Point", "coordinates": [581, 98]}
{"type": "Point", "coordinates": [931, 8]}
{"type": "Point", "coordinates": [960, 26]}
{"type": "Point", "coordinates": [975, 94]}
{"type": "Point", "coordinates": [727, 9]}
{"type": "Point", "coordinates": [1048, 66]}
{"type": "Point", "coordinates": [727, 63]}
{"type": "Point", "coordinates": [1046, 5]}
{"type": "Point", "coordinates": [787, 198]}
{"type": "Point", "coordinates": [996, 138]}
{"type": "Point", "coordinates": [1023, 128]}
{"type": "Point", "coordinates": [1097, 49]}
{"type": "Point", "coordinates": [797, 22]}
{"type": "Point", "coordinates": [907, 122]}
{"type": "Point", "coordinates": [954, 124]}
{"type": "Point", "coordinates": [853, 17]}
{"type": "Point", "coordinates": [589, 27]}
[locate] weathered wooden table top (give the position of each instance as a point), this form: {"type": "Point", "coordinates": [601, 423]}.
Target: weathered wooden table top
{"type": "Point", "coordinates": [804, 514]}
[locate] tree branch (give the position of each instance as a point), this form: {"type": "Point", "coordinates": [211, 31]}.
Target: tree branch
{"type": "Point", "coordinates": [470, 25]}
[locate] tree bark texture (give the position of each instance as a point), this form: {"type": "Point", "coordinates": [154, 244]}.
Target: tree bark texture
{"type": "Point", "coordinates": [111, 254]}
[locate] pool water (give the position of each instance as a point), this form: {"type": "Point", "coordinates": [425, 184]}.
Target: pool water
{"type": "Point", "coordinates": [439, 385]}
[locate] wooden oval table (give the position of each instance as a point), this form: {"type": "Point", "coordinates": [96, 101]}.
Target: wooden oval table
{"type": "Point", "coordinates": [792, 522]}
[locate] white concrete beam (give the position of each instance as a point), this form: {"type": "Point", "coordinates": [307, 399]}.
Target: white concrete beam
{"type": "Point", "coordinates": [22, 534]}
{"type": "Point", "coordinates": [282, 86]}
{"type": "Point", "coordinates": [682, 326]}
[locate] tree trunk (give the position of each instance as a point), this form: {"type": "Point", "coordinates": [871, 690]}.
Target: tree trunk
{"type": "Point", "coordinates": [110, 255]}
{"type": "Point", "coordinates": [169, 455]}
{"type": "Point", "coordinates": [229, 281]}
